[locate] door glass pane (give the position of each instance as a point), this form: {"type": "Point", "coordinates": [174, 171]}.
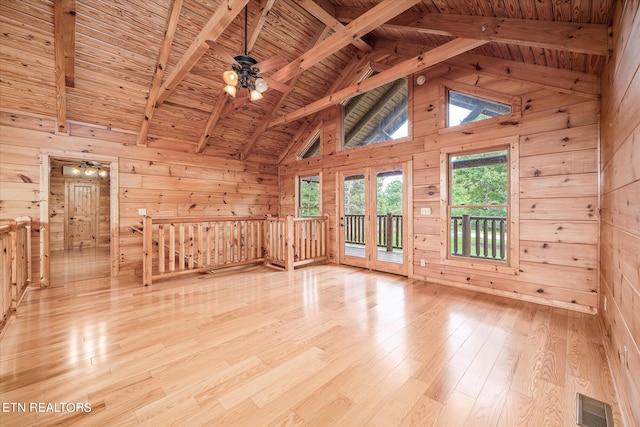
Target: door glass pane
{"type": "Point", "coordinates": [389, 220]}
{"type": "Point", "coordinates": [354, 206]}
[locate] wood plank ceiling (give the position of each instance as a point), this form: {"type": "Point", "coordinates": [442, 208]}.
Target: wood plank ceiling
{"type": "Point", "coordinates": [145, 67]}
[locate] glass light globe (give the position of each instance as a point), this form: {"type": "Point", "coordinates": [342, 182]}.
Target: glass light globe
{"type": "Point", "coordinates": [255, 95]}
{"type": "Point", "coordinates": [261, 85]}
{"type": "Point", "coordinates": [230, 77]}
{"type": "Point", "coordinates": [231, 90]}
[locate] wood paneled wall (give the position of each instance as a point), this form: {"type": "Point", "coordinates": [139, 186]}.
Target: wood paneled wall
{"type": "Point", "coordinates": [165, 183]}
{"type": "Point", "coordinates": [620, 225]}
{"type": "Point", "coordinates": [558, 190]}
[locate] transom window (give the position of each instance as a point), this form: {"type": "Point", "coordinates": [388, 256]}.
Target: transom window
{"type": "Point", "coordinates": [312, 149]}
{"type": "Point", "coordinates": [463, 108]}
{"type": "Point", "coordinates": [376, 116]}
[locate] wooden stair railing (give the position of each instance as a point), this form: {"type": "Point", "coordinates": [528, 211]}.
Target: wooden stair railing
{"type": "Point", "coordinates": [15, 265]}
{"type": "Point", "coordinates": [177, 246]}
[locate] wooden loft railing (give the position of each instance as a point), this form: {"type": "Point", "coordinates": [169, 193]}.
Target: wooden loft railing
{"type": "Point", "coordinates": [15, 264]}
{"type": "Point", "coordinates": [292, 242]}
{"type": "Point", "coordinates": [177, 246]}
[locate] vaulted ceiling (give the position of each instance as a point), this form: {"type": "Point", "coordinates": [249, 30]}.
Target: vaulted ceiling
{"type": "Point", "coordinates": [147, 67]}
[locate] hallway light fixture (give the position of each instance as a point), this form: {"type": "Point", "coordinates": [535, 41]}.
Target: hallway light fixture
{"type": "Point", "coordinates": [85, 169]}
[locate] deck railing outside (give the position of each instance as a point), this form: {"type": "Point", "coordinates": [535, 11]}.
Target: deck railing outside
{"type": "Point", "coordinates": [177, 246]}
{"type": "Point", "coordinates": [388, 230]}
{"type": "Point", "coordinates": [15, 264]}
{"type": "Point", "coordinates": [479, 237]}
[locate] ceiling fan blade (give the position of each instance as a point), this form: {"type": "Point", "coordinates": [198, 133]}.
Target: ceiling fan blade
{"type": "Point", "coordinates": [280, 87]}
{"type": "Point", "coordinates": [221, 52]}
{"type": "Point", "coordinates": [271, 63]}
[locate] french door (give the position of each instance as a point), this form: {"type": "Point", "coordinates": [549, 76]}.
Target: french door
{"type": "Point", "coordinates": [373, 218]}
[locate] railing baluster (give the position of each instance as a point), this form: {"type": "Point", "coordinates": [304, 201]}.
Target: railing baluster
{"type": "Point", "coordinates": [182, 254]}
{"type": "Point", "coordinates": [466, 235]}
{"type": "Point", "coordinates": [172, 247]}
{"type": "Point", "coordinates": [161, 244]}
{"type": "Point", "coordinates": [493, 238]}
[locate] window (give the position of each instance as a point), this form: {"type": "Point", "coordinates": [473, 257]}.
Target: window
{"type": "Point", "coordinates": [376, 116]}
{"type": "Point", "coordinates": [480, 206]}
{"type": "Point", "coordinates": [309, 195]}
{"type": "Point", "coordinates": [463, 108]}
{"type": "Point", "coordinates": [312, 148]}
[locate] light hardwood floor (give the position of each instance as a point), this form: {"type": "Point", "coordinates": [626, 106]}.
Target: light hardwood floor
{"type": "Point", "coordinates": [323, 345]}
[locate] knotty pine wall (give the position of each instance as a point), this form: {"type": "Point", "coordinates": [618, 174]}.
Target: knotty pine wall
{"type": "Point", "coordinates": [166, 183]}
{"type": "Point", "coordinates": [558, 189]}
{"type": "Point", "coordinates": [620, 225]}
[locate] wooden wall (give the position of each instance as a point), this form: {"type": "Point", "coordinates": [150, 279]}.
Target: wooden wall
{"type": "Point", "coordinates": [558, 174]}
{"type": "Point", "coordinates": [165, 183]}
{"type": "Point", "coordinates": [620, 226]}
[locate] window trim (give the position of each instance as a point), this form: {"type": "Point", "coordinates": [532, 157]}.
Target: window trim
{"type": "Point", "coordinates": [446, 85]}
{"type": "Point", "coordinates": [512, 265]}
{"type": "Point", "coordinates": [297, 194]}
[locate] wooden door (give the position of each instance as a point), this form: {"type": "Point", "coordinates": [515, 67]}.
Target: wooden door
{"type": "Point", "coordinates": [81, 222]}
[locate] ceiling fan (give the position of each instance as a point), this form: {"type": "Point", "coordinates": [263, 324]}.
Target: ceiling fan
{"type": "Point", "coordinates": [245, 70]}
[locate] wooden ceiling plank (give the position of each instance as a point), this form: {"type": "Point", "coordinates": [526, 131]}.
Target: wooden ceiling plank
{"type": "Point", "coordinates": [220, 20]}
{"type": "Point", "coordinates": [212, 121]}
{"type": "Point", "coordinates": [275, 106]}
{"type": "Point", "coordinates": [327, 19]}
{"type": "Point", "coordinates": [64, 51]}
{"type": "Point", "coordinates": [410, 66]}
{"type": "Point", "coordinates": [161, 66]}
{"type": "Point", "coordinates": [258, 23]}
{"type": "Point", "coordinates": [565, 36]}
{"type": "Point", "coordinates": [364, 24]}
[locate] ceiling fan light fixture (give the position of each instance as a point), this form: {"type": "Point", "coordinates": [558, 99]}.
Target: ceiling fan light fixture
{"type": "Point", "coordinates": [261, 85]}
{"type": "Point", "coordinates": [255, 95]}
{"type": "Point", "coordinates": [231, 90]}
{"type": "Point", "coordinates": [230, 77]}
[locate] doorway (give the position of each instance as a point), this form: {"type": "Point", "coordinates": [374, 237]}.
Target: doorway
{"type": "Point", "coordinates": [374, 218]}
{"type": "Point", "coordinates": [79, 217]}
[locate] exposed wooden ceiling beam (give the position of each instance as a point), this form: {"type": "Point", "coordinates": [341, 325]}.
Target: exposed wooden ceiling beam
{"type": "Point", "coordinates": [64, 25]}
{"type": "Point", "coordinates": [410, 66]}
{"type": "Point", "coordinates": [360, 26]}
{"type": "Point", "coordinates": [212, 121]}
{"type": "Point", "coordinates": [220, 20]}
{"type": "Point", "coordinates": [332, 23]}
{"type": "Point", "coordinates": [275, 106]}
{"type": "Point", "coordinates": [258, 23]}
{"type": "Point", "coordinates": [566, 36]}
{"type": "Point", "coordinates": [559, 80]}
{"type": "Point", "coordinates": [161, 66]}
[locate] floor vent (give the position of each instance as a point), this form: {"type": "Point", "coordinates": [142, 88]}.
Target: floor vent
{"type": "Point", "coordinates": [592, 412]}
